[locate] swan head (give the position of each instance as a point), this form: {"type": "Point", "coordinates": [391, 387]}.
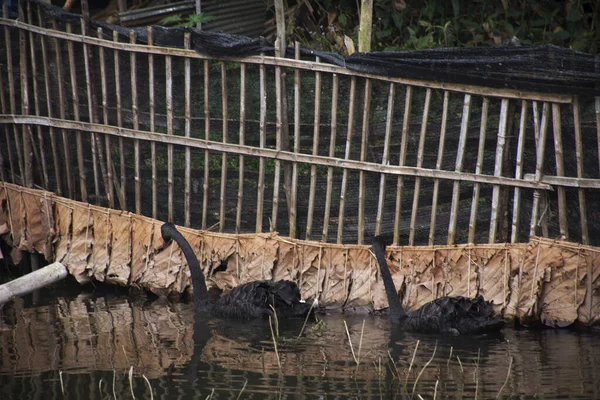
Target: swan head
{"type": "Point", "coordinates": [166, 231]}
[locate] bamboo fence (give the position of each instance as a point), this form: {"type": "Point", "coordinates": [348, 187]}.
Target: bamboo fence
{"type": "Point", "coordinates": [165, 132]}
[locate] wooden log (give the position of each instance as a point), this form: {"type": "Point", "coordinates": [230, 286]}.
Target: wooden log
{"type": "Point", "coordinates": [438, 165]}
{"type": "Point", "coordinates": [36, 280]}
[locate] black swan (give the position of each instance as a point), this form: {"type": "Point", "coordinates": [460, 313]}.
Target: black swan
{"type": "Point", "coordinates": [250, 300]}
{"type": "Point", "coordinates": [454, 315]}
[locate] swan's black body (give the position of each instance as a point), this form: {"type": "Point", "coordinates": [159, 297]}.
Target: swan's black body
{"type": "Point", "coordinates": [250, 300]}
{"type": "Point", "coordinates": [455, 315]}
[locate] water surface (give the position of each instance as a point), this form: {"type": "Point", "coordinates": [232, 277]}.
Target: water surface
{"type": "Point", "coordinates": [87, 343]}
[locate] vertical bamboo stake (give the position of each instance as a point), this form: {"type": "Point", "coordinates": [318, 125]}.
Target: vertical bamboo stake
{"type": "Point", "coordinates": [421, 149]}
{"type": "Point", "coordinates": [385, 159]}
{"type": "Point", "coordinates": [315, 151]}
{"type": "Point", "coordinates": [136, 126]}
{"type": "Point", "coordinates": [26, 133]}
{"type": "Point", "coordinates": [36, 103]}
{"type": "Point", "coordinates": [122, 190]}
{"type": "Point", "coordinates": [500, 144]}
{"type": "Point", "coordinates": [539, 166]}
{"type": "Point", "coordinates": [464, 126]}
{"type": "Point", "coordinates": [579, 155]}
{"type": "Point", "coordinates": [294, 192]}
{"type": "Point", "coordinates": [537, 124]}
{"type": "Point", "coordinates": [350, 132]}
{"type": "Point", "coordinates": [438, 165]}
{"type": "Point", "coordinates": [363, 158]}
{"type": "Point", "coordinates": [478, 169]}
{"type": "Point", "coordinates": [169, 101]}
{"type": "Point", "coordinates": [6, 130]}
{"type": "Point", "coordinates": [87, 61]}
{"type": "Point", "coordinates": [519, 173]}
{"type": "Point", "coordinates": [62, 113]}
{"type": "Point", "coordinates": [263, 139]}
{"type": "Point", "coordinates": [188, 129]}
{"type": "Point", "coordinates": [207, 137]}
{"type": "Point", "coordinates": [78, 138]}
{"type": "Point", "coordinates": [109, 171]}
{"type": "Point", "coordinates": [597, 109]}
{"type": "Point", "coordinates": [240, 195]}
{"type": "Point", "coordinates": [560, 170]}
{"type": "Point", "coordinates": [225, 110]}
{"type": "Point", "coordinates": [151, 110]}
{"type": "Point", "coordinates": [278, 125]}
{"type": "Point", "coordinates": [401, 161]}
{"type": "Point", "coordinates": [332, 138]}
{"type": "Point", "coordinates": [11, 93]}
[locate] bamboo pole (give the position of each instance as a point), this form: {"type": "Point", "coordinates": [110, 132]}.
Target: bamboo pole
{"type": "Point", "coordinates": [421, 149]}
{"type": "Point", "coordinates": [385, 157]}
{"type": "Point", "coordinates": [537, 127]}
{"type": "Point", "coordinates": [78, 139]}
{"type": "Point", "coordinates": [294, 189]}
{"type": "Point", "coordinates": [169, 104]}
{"type": "Point", "coordinates": [109, 174]}
{"type": "Point", "coordinates": [438, 165]}
{"type": "Point", "coordinates": [462, 141]}
{"type": "Point", "coordinates": [263, 139]}
{"type": "Point", "coordinates": [91, 95]}
{"type": "Point", "coordinates": [350, 132]}
{"type": "Point", "coordinates": [6, 133]}
{"type": "Point", "coordinates": [11, 94]}
{"type": "Point", "coordinates": [560, 170]}
{"type": "Point", "coordinates": [597, 109]}
{"type": "Point", "coordinates": [401, 161]}
{"type": "Point", "coordinates": [240, 195]}
{"type": "Point", "coordinates": [278, 125]}
{"type": "Point", "coordinates": [478, 169]}
{"type": "Point", "coordinates": [500, 144]}
{"type": "Point", "coordinates": [332, 138]}
{"type": "Point", "coordinates": [27, 136]}
{"type": "Point", "coordinates": [539, 166]}
{"type": "Point", "coordinates": [36, 103]}
{"type": "Point", "coordinates": [514, 236]}
{"type": "Point", "coordinates": [188, 128]}
{"type": "Point", "coordinates": [225, 113]}
{"type": "Point", "coordinates": [366, 23]}
{"type": "Point", "coordinates": [315, 151]}
{"type": "Point", "coordinates": [579, 158]}
{"type": "Point", "coordinates": [207, 137]}
{"type": "Point", "coordinates": [62, 114]}
{"type": "Point", "coordinates": [136, 125]}
{"type": "Point", "coordinates": [32, 281]}
{"type": "Point", "coordinates": [363, 158]}
{"type": "Point", "coordinates": [152, 127]}
{"type": "Point", "coordinates": [123, 189]}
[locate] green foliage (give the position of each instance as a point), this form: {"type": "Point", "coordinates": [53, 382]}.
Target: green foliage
{"type": "Point", "coordinates": [420, 24]}
{"type": "Point", "coordinates": [188, 21]}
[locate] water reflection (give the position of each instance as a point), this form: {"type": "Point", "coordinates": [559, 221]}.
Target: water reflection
{"type": "Point", "coordinates": [95, 340]}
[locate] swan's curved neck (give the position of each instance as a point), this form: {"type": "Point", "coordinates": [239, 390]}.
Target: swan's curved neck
{"type": "Point", "coordinates": [201, 299]}
{"type": "Point", "coordinates": [396, 310]}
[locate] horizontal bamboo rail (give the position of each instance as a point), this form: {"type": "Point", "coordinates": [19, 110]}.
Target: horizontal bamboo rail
{"type": "Point", "coordinates": [272, 153]}
{"type": "Point", "coordinates": [291, 63]}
